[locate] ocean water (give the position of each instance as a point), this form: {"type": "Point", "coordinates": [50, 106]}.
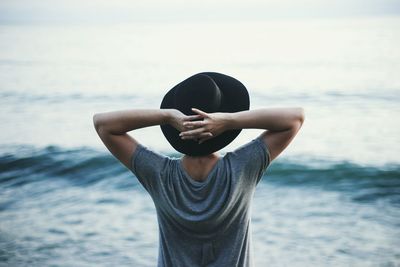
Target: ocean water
{"type": "Point", "coordinates": [331, 199]}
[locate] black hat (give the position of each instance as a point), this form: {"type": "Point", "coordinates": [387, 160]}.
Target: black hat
{"type": "Point", "coordinates": [209, 92]}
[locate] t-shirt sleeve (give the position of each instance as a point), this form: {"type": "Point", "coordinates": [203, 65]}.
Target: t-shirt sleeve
{"type": "Point", "coordinates": [251, 160]}
{"type": "Point", "coordinates": [148, 167]}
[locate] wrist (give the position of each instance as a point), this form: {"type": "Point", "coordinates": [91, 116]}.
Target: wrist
{"type": "Point", "coordinates": [166, 116]}
{"type": "Point", "coordinates": [169, 115]}
{"type": "Point", "coordinates": [228, 121]}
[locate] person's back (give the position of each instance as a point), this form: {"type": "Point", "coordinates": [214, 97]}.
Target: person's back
{"type": "Point", "coordinates": [206, 221]}
{"type": "Point", "coordinates": [203, 201]}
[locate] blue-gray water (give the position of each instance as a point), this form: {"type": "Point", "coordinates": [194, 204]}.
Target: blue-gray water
{"type": "Point", "coordinates": [331, 199]}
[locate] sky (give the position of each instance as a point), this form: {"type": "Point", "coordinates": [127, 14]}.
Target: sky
{"type": "Point", "coordinates": [28, 11]}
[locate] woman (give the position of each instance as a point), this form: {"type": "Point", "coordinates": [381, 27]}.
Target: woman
{"type": "Point", "coordinates": [203, 200]}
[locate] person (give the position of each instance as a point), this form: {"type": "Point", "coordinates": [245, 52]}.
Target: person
{"type": "Point", "coordinates": [203, 199]}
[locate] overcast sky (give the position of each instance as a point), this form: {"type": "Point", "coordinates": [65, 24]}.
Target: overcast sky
{"type": "Point", "coordinates": [184, 10]}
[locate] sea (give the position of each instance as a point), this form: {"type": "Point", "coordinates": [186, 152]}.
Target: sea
{"type": "Point", "coordinates": [332, 198]}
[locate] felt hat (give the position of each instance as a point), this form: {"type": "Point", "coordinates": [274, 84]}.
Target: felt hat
{"type": "Point", "coordinates": [209, 92]}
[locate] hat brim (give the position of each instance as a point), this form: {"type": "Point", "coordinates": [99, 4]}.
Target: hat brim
{"type": "Point", "coordinates": [235, 99]}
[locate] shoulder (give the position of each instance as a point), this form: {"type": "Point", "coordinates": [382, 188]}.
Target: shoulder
{"type": "Point", "coordinates": [147, 157]}
{"type": "Point", "coordinates": [249, 160]}
{"type": "Point", "coordinates": [252, 148]}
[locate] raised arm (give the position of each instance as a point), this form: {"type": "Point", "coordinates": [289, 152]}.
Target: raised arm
{"type": "Point", "coordinates": [112, 127]}
{"type": "Point", "coordinates": [281, 125]}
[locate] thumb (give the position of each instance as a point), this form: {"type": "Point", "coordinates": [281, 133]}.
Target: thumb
{"type": "Point", "coordinates": [200, 112]}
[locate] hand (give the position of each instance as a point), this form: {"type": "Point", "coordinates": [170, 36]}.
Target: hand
{"type": "Point", "coordinates": [212, 125]}
{"type": "Point", "coordinates": [177, 119]}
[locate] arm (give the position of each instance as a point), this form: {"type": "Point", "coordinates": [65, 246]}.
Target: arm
{"type": "Point", "coordinates": [112, 127]}
{"type": "Point", "coordinates": [281, 125]}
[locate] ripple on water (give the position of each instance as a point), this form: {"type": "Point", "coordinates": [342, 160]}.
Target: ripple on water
{"type": "Point", "coordinates": [73, 222]}
{"type": "Point", "coordinates": [90, 234]}
{"type": "Point", "coordinates": [57, 231]}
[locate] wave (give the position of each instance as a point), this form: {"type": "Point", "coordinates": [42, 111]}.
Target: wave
{"type": "Point", "coordinates": [363, 183]}
{"type": "Point", "coordinates": [61, 97]}
{"type": "Point", "coordinates": [387, 95]}
{"type": "Point", "coordinates": [86, 166]}
{"type": "Point", "coordinates": [79, 165]}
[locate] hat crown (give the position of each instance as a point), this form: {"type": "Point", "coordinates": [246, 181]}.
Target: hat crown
{"type": "Point", "coordinates": [198, 91]}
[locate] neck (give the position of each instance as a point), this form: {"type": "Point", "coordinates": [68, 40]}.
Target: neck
{"type": "Point", "coordinates": [200, 159]}
{"type": "Point", "coordinates": [199, 167]}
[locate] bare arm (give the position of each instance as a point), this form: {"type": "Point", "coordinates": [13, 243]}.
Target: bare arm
{"type": "Point", "coordinates": [281, 125]}
{"type": "Point", "coordinates": [112, 127]}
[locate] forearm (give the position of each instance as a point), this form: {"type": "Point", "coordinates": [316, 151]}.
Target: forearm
{"type": "Point", "coordinates": [123, 121]}
{"type": "Point", "coordinates": [272, 119]}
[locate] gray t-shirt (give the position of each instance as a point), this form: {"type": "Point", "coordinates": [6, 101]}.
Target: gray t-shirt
{"type": "Point", "coordinates": [203, 223]}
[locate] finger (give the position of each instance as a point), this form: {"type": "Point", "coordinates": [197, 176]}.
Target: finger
{"type": "Point", "coordinates": [200, 112]}
{"type": "Point", "coordinates": [204, 135]}
{"type": "Point", "coordinates": [202, 140]}
{"type": "Point", "coordinates": [192, 117]}
{"type": "Point", "coordinates": [194, 123]}
{"type": "Point", "coordinates": [197, 137]}
{"type": "Point", "coordinates": [187, 127]}
{"type": "Point", "coordinates": [192, 132]}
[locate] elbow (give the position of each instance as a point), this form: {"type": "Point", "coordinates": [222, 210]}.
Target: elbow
{"type": "Point", "coordinates": [301, 115]}
{"type": "Point", "coordinates": [96, 121]}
